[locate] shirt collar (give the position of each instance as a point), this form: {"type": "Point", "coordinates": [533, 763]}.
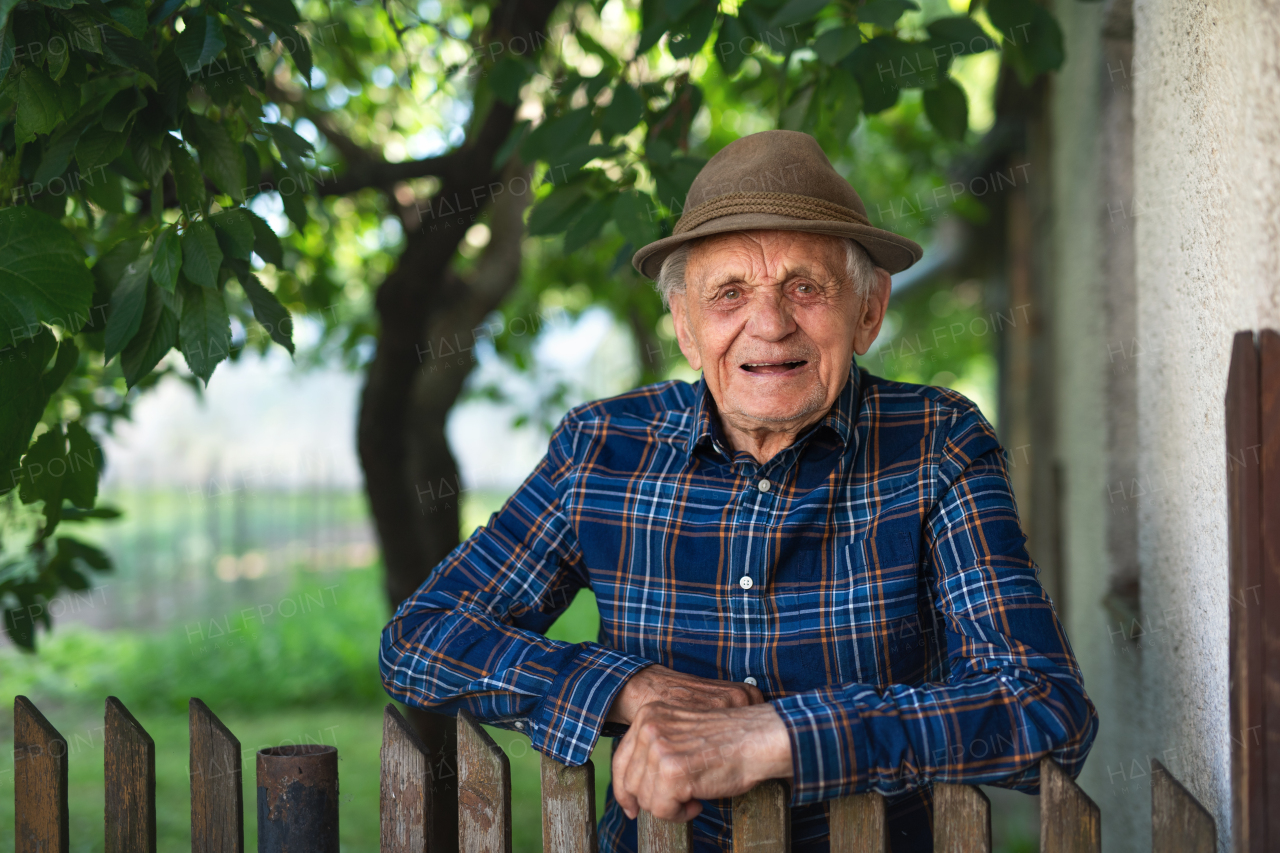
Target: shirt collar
{"type": "Point", "coordinates": [840, 419]}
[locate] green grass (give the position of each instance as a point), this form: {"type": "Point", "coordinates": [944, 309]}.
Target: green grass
{"type": "Point", "coordinates": [311, 676]}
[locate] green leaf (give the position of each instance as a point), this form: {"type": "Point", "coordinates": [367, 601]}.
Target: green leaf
{"type": "Point", "coordinates": [797, 11]}
{"type": "Point", "coordinates": [38, 104]}
{"type": "Point", "coordinates": [43, 278]}
{"type": "Point", "coordinates": [556, 135]}
{"type": "Point", "coordinates": [288, 140]}
{"type": "Point", "coordinates": [1033, 40]}
{"type": "Point", "coordinates": [188, 180]}
{"type": "Point", "coordinates": [623, 112]}
{"type": "Point", "coordinates": [688, 38]}
{"type": "Point", "coordinates": [201, 256]}
{"type": "Point", "coordinates": [121, 107]}
{"type": "Point", "coordinates": [575, 158]}
{"type": "Point", "coordinates": [84, 34]}
{"type": "Point", "coordinates": [268, 311]}
{"type": "Point", "coordinates": [514, 139]}
{"type": "Point", "coordinates": [85, 461]}
{"type": "Point", "coordinates": [588, 225]}
{"type": "Point", "coordinates": [96, 147]}
{"type": "Point", "coordinates": [834, 45]}
{"type": "Point", "coordinates": [234, 232]}
{"type": "Point", "coordinates": [153, 162]}
{"type": "Point", "coordinates": [276, 11]}
{"type": "Point", "coordinates": [959, 36]}
{"type": "Point", "coordinates": [128, 52]}
{"type": "Point", "coordinates": [947, 109]}
{"type": "Point", "coordinates": [200, 43]}
{"type": "Point", "coordinates": [220, 158]}
{"type": "Point", "coordinates": [204, 331]}
{"type": "Point", "coordinates": [674, 178]}
{"type": "Point", "coordinates": [57, 154]}
{"type": "Point", "coordinates": [631, 212]}
{"type": "Point", "coordinates": [27, 381]}
{"type": "Point", "coordinates": [265, 242]}
{"type": "Point", "coordinates": [127, 299]}
{"type": "Point", "coordinates": [73, 514]}
{"type": "Point", "coordinates": [506, 77]}
{"type": "Point", "coordinates": [558, 210]}
{"type": "Point", "coordinates": [157, 334]}
{"type": "Point", "coordinates": [885, 13]}
{"type": "Point", "coordinates": [167, 259]}
{"type": "Point", "coordinates": [293, 197]}
{"type": "Point", "coordinates": [729, 44]}
{"type": "Point", "coordinates": [298, 48]}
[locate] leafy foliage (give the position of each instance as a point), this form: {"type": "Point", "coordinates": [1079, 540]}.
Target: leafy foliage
{"type": "Point", "coordinates": [123, 159]}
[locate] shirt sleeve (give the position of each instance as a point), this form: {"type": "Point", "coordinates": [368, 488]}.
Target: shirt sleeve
{"type": "Point", "coordinates": [472, 635]}
{"type": "Point", "coordinates": [1014, 692]}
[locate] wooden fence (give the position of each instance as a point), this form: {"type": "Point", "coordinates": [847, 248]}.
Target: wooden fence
{"type": "Point", "coordinates": [299, 803]}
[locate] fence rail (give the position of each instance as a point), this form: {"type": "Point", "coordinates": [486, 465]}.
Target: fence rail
{"type": "Point", "coordinates": [298, 788]}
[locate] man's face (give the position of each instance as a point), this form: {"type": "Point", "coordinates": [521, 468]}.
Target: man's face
{"type": "Point", "coordinates": [772, 321]}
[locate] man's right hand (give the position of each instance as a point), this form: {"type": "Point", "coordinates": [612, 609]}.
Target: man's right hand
{"type": "Point", "coordinates": [658, 684]}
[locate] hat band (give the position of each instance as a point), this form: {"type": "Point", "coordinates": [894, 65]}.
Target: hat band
{"type": "Point", "coordinates": [781, 204]}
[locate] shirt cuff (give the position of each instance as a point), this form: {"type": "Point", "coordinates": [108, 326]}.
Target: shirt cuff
{"type": "Point", "coordinates": [828, 746]}
{"type": "Point", "coordinates": [568, 723]}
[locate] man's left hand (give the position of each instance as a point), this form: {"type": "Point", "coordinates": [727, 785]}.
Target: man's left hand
{"type": "Point", "coordinates": [671, 758]}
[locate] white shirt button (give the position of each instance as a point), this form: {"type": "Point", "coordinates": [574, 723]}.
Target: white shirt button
{"type": "Point", "coordinates": [764, 485]}
{"type": "Point", "coordinates": [520, 726]}
{"type": "Point", "coordinates": [745, 582]}
{"type": "Point", "coordinates": [750, 679]}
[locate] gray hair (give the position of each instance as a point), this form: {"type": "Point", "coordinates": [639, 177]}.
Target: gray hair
{"type": "Point", "coordinates": [671, 276]}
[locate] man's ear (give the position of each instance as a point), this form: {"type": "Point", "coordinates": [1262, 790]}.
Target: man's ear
{"type": "Point", "coordinates": [871, 315]}
{"type": "Point", "coordinates": [684, 332]}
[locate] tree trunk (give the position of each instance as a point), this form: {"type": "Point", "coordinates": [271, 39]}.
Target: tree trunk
{"type": "Point", "coordinates": [411, 477]}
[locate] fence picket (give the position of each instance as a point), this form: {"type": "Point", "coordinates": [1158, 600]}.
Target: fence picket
{"type": "Point", "coordinates": [1179, 824]}
{"type": "Point", "coordinates": [762, 819]}
{"type": "Point", "coordinates": [568, 807]}
{"type": "Point", "coordinates": [130, 783]}
{"type": "Point", "coordinates": [961, 819]}
{"type": "Point", "coordinates": [1069, 820]}
{"type": "Point", "coordinates": [406, 787]}
{"type": "Point", "coordinates": [484, 791]}
{"type": "Point", "coordinates": [656, 835]}
{"type": "Point", "coordinates": [858, 824]}
{"type": "Point", "coordinates": [217, 795]}
{"type": "Point", "coordinates": [40, 782]}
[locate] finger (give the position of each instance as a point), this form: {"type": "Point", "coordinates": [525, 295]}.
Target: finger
{"type": "Point", "coordinates": [622, 792]}
{"type": "Point", "coordinates": [755, 694]}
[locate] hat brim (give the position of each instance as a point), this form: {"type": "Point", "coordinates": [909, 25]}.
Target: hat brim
{"type": "Point", "coordinates": [887, 250]}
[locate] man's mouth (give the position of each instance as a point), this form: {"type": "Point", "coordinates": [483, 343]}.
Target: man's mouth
{"type": "Point", "coordinates": [772, 367]}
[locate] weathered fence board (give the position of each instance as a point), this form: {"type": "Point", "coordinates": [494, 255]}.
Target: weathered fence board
{"type": "Point", "coordinates": [656, 835]}
{"type": "Point", "coordinates": [1269, 524]}
{"type": "Point", "coordinates": [1179, 824]}
{"type": "Point", "coordinates": [40, 782]}
{"type": "Point", "coordinates": [961, 819]}
{"type": "Point", "coordinates": [1069, 820]}
{"type": "Point", "coordinates": [1244, 615]}
{"type": "Point", "coordinates": [762, 819]}
{"type": "Point", "coordinates": [859, 824]}
{"type": "Point", "coordinates": [568, 807]}
{"type": "Point", "coordinates": [406, 787]}
{"type": "Point", "coordinates": [484, 791]}
{"type": "Point", "coordinates": [217, 792]}
{"type": "Point", "coordinates": [129, 782]}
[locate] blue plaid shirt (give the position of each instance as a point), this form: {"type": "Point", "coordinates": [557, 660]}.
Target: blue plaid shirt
{"type": "Point", "coordinates": [872, 578]}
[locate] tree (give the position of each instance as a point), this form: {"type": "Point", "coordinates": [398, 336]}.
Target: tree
{"type": "Point", "coordinates": [149, 150]}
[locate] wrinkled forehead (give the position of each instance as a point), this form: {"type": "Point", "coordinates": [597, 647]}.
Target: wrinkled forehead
{"type": "Point", "coordinates": [763, 257]}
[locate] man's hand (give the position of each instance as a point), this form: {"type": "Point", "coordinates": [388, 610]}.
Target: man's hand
{"type": "Point", "coordinates": [658, 684]}
{"type": "Point", "coordinates": [672, 757]}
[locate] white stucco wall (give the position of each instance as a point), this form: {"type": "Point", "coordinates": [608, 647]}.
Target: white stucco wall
{"type": "Point", "coordinates": [1207, 176]}
{"type": "Point", "coordinates": [1087, 359]}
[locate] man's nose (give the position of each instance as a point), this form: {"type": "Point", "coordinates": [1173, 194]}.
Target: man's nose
{"type": "Point", "coordinates": [771, 318]}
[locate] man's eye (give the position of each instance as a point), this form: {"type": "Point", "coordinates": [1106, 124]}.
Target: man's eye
{"type": "Point", "coordinates": [804, 288]}
{"type": "Point", "coordinates": [732, 294]}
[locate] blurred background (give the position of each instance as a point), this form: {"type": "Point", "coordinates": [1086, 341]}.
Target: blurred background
{"type": "Point", "coordinates": [247, 513]}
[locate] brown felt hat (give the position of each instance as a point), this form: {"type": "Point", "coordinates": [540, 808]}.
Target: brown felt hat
{"type": "Point", "coordinates": [778, 180]}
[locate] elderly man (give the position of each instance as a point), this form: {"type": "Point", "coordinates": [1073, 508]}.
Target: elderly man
{"type": "Point", "coordinates": [804, 572]}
